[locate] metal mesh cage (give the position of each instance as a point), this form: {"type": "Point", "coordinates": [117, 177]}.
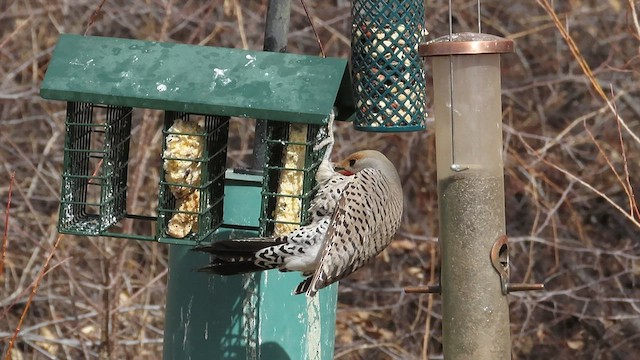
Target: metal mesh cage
{"type": "Point", "coordinates": [387, 70]}
{"type": "Point", "coordinates": [289, 175]}
{"type": "Point", "coordinates": [192, 183]}
{"type": "Point", "coordinates": [94, 179]}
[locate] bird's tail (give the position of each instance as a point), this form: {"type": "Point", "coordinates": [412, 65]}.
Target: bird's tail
{"type": "Point", "coordinates": [231, 257]}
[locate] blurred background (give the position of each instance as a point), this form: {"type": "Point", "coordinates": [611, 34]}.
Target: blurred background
{"type": "Point", "coordinates": [571, 160]}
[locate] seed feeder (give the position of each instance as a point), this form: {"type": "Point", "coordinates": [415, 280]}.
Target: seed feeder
{"type": "Point", "coordinates": [387, 70]}
{"type": "Point", "coordinates": [466, 73]}
{"type": "Point", "coordinates": [106, 81]}
{"type": "Point", "coordinates": [474, 249]}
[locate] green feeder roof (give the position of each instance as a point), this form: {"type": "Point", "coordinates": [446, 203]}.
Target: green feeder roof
{"type": "Point", "coordinates": [198, 79]}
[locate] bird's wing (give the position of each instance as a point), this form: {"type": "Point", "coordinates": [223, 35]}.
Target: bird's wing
{"type": "Point", "coordinates": [350, 241]}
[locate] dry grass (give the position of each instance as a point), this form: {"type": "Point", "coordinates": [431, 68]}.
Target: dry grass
{"type": "Point", "coordinates": [571, 114]}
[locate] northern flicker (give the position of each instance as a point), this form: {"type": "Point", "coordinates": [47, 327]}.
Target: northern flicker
{"type": "Point", "coordinates": [354, 215]}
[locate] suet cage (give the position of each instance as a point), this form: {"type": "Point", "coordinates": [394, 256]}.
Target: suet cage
{"type": "Point", "coordinates": [291, 161]}
{"type": "Point", "coordinates": [192, 183]}
{"type": "Point", "coordinates": [94, 180]}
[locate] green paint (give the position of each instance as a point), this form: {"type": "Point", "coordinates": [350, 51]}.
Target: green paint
{"type": "Point", "coordinates": [198, 79]}
{"type": "Point", "coordinates": [244, 316]}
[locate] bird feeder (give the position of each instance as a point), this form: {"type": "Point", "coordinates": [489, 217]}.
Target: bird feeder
{"type": "Point", "coordinates": [468, 114]}
{"type": "Point", "coordinates": [387, 70]}
{"type": "Point", "coordinates": [105, 81]}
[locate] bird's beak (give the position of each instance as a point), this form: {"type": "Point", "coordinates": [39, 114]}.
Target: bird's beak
{"type": "Point", "coordinates": [338, 167]}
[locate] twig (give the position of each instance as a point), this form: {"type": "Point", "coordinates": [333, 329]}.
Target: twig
{"type": "Point", "coordinates": [18, 152]}
{"type": "Point", "coordinates": [5, 236]}
{"type": "Point", "coordinates": [94, 17]}
{"type": "Point", "coordinates": [34, 290]}
{"type": "Point", "coordinates": [626, 184]}
{"type": "Point", "coordinates": [11, 301]}
{"type": "Point", "coordinates": [325, 25]}
{"type": "Point", "coordinates": [633, 206]}
{"type": "Point", "coordinates": [240, 18]}
{"type": "Point", "coordinates": [167, 19]}
{"type": "Point", "coordinates": [313, 28]}
{"type": "Point", "coordinates": [142, 290]}
{"type": "Point", "coordinates": [585, 184]}
{"type": "Point", "coordinates": [586, 69]}
{"type": "Point", "coordinates": [105, 341]}
{"type": "Point", "coordinates": [16, 31]}
{"type": "Point", "coordinates": [427, 326]}
{"type": "Point", "coordinates": [634, 15]}
{"type": "Point", "coordinates": [567, 129]}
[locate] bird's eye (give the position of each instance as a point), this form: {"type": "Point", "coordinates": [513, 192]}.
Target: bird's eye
{"type": "Point", "coordinates": [352, 162]}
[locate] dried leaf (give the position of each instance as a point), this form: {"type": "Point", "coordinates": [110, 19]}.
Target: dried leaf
{"type": "Point", "coordinates": [416, 272]}
{"type": "Point", "coordinates": [403, 244]}
{"type": "Point", "coordinates": [575, 344]}
{"type": "Point", "coordinates": [49, 346]}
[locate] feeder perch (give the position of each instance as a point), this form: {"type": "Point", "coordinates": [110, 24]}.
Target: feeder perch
{"type": "Point", "coordinates": [389, 84]}
{"type": "Point", "coordinates": [105, 81]}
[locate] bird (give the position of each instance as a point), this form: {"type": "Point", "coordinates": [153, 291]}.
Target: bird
{"type": "Point", "coordinates": [354, 216]}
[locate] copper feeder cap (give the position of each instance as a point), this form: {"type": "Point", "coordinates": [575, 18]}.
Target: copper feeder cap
{"type": "Point", "coordinates": [467, 43]}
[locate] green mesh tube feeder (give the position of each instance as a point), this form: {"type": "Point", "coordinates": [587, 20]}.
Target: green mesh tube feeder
{"type": "Point", "coordinates": [389, 84]}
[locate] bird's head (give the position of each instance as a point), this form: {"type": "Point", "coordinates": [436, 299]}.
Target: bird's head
{"type": "Point", "coordinates": [367, 159]}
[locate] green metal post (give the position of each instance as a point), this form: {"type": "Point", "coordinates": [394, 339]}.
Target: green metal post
{"type": "Point", "coordinates": [468, 114]}
{"type": "Point", "coordinates": [245, 316]}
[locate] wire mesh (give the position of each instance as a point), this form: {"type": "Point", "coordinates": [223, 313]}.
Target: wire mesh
{"type": "Point", "coordinates": [192, 184]}
{"type": "Point", "coordinates": [289, 175]}
{"type": "Point", "coordinates": [94, 178]}
{"type": "Point", "coordinates": [388, 74]}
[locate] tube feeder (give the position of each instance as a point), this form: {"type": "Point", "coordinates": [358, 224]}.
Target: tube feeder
{"type": "Point", "coordinates": [468, 117]}
{"type": "Point", "coordinates": [388, 74]}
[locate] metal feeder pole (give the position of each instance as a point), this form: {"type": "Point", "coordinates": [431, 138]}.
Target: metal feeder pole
{"type": "Point", "coordinates": [276, 35]}
{"type": "Point", "coordinates": [468, 114]}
